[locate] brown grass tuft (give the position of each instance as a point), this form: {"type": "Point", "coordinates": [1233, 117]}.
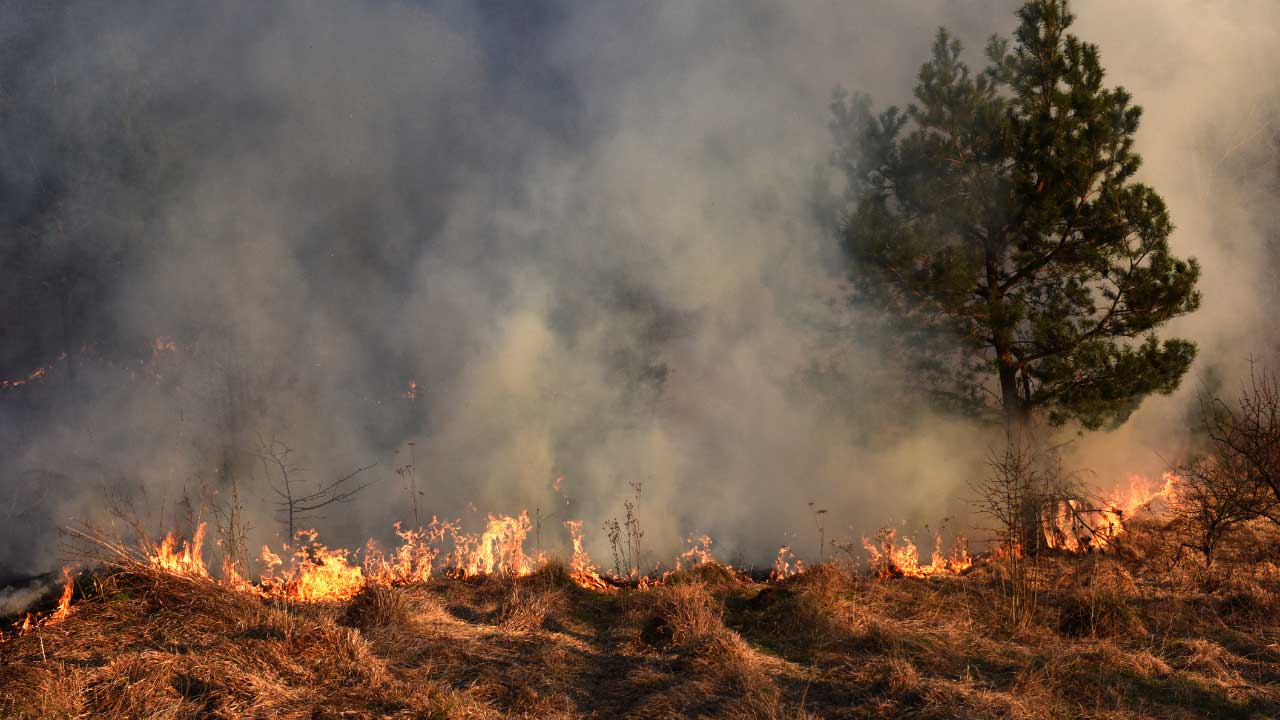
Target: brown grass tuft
{"type": "Point", "coordinates": [681, 616]}
{"type": "Point", "coordinates": [1204, 657]}
{"type": "Point", "coordinates": [526, 607]}
{"type": "Point", "coordinates": [376, 606]}
{"type": "Point", "coordinates": [1103, 575]}
{"type": "Point", "coordinates": [1096, 613]}
{"type": "Point", "coordinates": [1244, 596]}
{"type": "Point", "coordinates": [819, 645]}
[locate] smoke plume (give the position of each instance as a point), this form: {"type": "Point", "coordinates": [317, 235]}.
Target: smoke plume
{"type": "Point", "coordinates": [535, 240]}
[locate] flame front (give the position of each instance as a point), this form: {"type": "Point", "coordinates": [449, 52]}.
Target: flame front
{"type": "Point", "coordinates": [317, 574]}
{"type": "Point", "coordinates": [499, 550]}
{"type": "Point", "coordinates": [891, 559]}
{"type": "Point", "coordinates": [786, 565]}
{"type": "Point", "coordinates": [1077, 526]}
{"type": "Point", "coordinates": [185, 560]}
{"type": "Point", "coordinates": [583, 571]}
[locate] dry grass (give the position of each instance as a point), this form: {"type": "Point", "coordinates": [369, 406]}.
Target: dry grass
{"type": "Point", "coordinates": [1111, 640]}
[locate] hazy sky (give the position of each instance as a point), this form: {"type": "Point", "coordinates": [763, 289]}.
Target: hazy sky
{"type": "Point", "coordinates": [585, 230]}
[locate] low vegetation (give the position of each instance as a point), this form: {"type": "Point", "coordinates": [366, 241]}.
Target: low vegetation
{"type": "Point", "coordinates": [1123, 634]}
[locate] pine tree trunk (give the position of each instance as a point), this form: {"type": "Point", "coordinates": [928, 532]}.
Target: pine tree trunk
{"type": "Point", "coordinates": [1019, 432]}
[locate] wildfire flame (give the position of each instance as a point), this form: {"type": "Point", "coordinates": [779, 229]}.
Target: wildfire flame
{"type": "Point", "coordinates": [64, 601]}
{"type": "Point", "coordinates": [1077, 526]}
{"type": "Point", "coordinates": [31, 621]}
{"type": "Point", "coordinates": [183, 560]}
{"type": "Point", "coordinates": [499, 550]}
{"type": "Point", "coordinates": [317, 573]}
{"type": "Point", "coordinates": [583, 571]}
{"type": "Point", "coordinates": [309, 571]}
{"type": "Point", "coordinates": [786, 565]}
{"type": "Point", "coordinates": [412, 562]}
{"type": "Point", "coordinates": [699, 552]}
{"type": "Point", "coordinates": [33, 375]}
{"type": "Point", "coordinates": [891, 559]}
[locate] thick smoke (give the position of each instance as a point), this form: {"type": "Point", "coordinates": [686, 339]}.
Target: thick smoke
{"type": "Point", "coordinates": [588, 233]}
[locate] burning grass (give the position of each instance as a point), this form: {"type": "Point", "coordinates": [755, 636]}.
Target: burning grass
{"type": "Point", "coordinates": [1110, 639]}
{"type": "Point", "coordinates": [487, 631]}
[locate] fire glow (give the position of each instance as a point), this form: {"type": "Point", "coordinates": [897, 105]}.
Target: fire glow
{"type": "Point", "coordinates": [890, 557]}
{"type": "Point", "coordinates": [1076, 526]}
{"type": "Point", "coordinates": [308, 571]}
{"type": "Point", "coordinates": [32, 621]}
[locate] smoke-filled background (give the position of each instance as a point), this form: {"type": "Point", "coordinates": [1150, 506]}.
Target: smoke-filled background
{"type": "Point", "coordinates": [535, 240]}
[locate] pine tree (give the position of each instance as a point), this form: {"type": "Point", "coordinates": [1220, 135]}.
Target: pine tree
{"type": "Point", "coordinates": [999, 226]}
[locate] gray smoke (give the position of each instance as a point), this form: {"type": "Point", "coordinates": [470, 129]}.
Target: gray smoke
{"type": "Point", "coordinates": [586, 231]}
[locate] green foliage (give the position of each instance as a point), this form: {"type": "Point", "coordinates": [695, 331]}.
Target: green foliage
{"type": "Point", "coordinates": [999, 224]}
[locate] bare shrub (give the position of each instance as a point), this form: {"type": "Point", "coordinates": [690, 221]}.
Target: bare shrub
{"type": "Point", "coordinates": [1011, 496]}
{"type": "Point", "coordinates": [1244, 436]}
{"type": "Point", "coordinates": [294, 502]}
{"type": "Point", "coordinates": [1215, 497]}
{"type": "Point", "coordinates": [625, 537]}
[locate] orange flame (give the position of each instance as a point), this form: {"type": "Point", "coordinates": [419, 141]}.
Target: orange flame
{"type": "Point", "coordinates": [1076, 526]}
{"type": "Point", "coordinates": [64, 601]}
{"type": "Point", "coordinates": [29, 377]}
{"type": "Point", "coordinates": [31, 621]}
{"type": "Point", "coordinates": [893, 560]}
{"type": "Point", "coordinates": [699, 552]}
{"type": "Point", "coordinates": [412, 561]}
{"type": "Point", "coordinates": [499, 550]}
{"type": "Point", "coordinates": [786, 565]}
{"type": "Point", "coordinates": [583, 571]}
{"type": "Point", "coordinates": [317, 573]}
{"type": "Point", "coordinates": [185, 560]}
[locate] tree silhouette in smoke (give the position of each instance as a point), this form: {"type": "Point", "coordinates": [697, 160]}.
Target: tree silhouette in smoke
{"type": "Point", "coordinates": [999, 224]}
